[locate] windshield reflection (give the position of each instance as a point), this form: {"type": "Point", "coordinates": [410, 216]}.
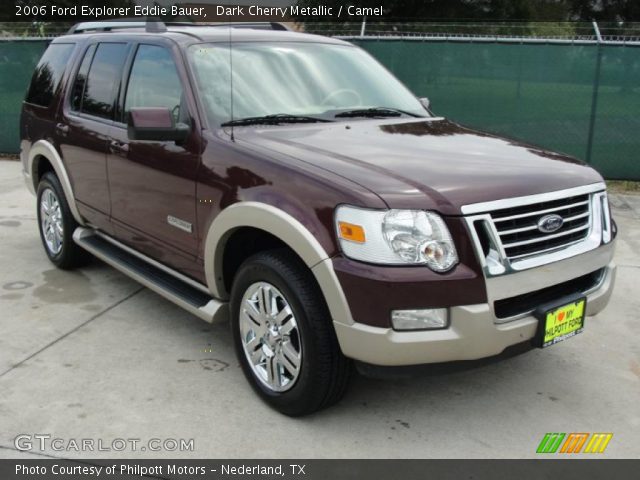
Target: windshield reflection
{"type": "Point", "coordinates": [309, 79]}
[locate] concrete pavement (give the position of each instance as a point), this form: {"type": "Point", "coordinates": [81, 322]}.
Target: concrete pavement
{"type": "Point", "coordinates": [91, 355]}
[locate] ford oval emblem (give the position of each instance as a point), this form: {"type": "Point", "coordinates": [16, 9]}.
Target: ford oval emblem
{"type": "Point", "coordinates": [550, 223]}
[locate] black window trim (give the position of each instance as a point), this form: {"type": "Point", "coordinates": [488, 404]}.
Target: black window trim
{"type": "Point", "coordinates": [77, 72]}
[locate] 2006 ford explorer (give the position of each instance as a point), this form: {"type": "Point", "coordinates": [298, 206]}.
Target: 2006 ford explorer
{"type": "Point", "coordinates": [289, 183]}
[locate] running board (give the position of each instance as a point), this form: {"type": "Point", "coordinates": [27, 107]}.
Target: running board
{"type": "Point", "coordinates": [172, 285]}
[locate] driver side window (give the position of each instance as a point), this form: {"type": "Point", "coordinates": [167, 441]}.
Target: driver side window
{"type": "Point", "coordinates": [154, 82]}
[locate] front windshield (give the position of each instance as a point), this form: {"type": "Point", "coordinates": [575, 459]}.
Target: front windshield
{"type": "Point", "coordinates": [310, 79]}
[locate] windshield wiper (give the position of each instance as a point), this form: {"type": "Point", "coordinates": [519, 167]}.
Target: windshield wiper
{"type": "Point", "coordinates": [273, 119]}
{"type": "Point", "coordinates": [375, 112]}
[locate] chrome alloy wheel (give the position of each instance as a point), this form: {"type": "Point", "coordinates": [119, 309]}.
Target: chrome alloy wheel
{"type": "Point", "coordinates": [51, 221]}
{"type": "Point", "coordinates": [270, 337]}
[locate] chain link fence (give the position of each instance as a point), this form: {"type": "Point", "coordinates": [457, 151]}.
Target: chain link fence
{"type": "Point", "coordinates": [545, 31]}
{"type": "Point", "coordinates": [564, 87]}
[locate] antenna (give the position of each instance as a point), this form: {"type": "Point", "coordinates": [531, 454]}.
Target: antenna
{"type": "Point", "coordinates": [233, 139]}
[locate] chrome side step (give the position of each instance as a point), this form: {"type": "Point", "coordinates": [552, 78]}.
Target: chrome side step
{"type": "Point", "coordinates": [172, 285]}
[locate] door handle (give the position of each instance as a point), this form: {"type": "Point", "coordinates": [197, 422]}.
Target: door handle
{"type": "Point", "coordinates": [118, 148]}
{"type": "Point", "coordinates": [62, 129]}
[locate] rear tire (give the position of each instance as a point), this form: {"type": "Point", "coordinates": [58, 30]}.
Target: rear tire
{"type": "Point", "coordinates": [56, 225]}
{"type": "Point", "coordinates": [284, 337]}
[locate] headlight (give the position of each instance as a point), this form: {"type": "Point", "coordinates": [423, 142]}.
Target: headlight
{"type": "Point", "coordinates": [395, 237]}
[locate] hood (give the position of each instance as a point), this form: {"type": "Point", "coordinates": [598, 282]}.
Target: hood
{"type": "Point", "coordinates": [428, 163]}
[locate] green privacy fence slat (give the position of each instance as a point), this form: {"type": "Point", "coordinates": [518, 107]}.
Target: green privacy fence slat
{"type": "Point", "coordinates": [18, 58]}
{"type": "Point", "coordinates": [539, 93]}
{"type": "Point", "coordinates": [616, 139]}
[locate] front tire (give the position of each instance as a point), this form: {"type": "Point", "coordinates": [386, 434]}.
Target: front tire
{"type": "Point", "coordinates": [56, 225]}
{"type": "Point", "coordinates": [283, 335]}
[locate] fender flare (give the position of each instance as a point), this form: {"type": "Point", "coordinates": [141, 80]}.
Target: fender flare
{"type": "Point", "coordinates": [47, 150]}
{"type": "Point", "coordinates": [289, 230]}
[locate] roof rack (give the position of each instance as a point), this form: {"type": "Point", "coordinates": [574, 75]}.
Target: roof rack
{"type": "Point", "coordinates": [254, 25]}
{"type": "Point", "coordinates": [106, 26]}
{"type": "Point", "coordinates": [156, 26]}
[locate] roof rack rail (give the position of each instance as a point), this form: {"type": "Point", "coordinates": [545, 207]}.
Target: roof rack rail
{"type": "Point", "coordinates": [156, 26]}
{"type": "Point", "coordinates": [256, 25]}
{"type": "Point", "coordinates": [105, 26]}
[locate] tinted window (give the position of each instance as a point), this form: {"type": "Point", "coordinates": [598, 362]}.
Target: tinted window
{"type": "Point", "coordinates": [103, 79]}
{"type": "Point", "coordinates": [77, 91]}
{"type": "Point", "coordinates": [154, 81]}
{"type": "Point", "coordinates": [48, 74]}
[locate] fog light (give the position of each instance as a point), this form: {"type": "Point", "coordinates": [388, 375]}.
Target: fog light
{"type": "Point", "coordinates": [426, 319]}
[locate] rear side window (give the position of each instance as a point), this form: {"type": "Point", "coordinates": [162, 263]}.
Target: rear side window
{"type": "Point", "coordinates": [103, 79]}
{"type": "Point", "coordinates": [48, 73]}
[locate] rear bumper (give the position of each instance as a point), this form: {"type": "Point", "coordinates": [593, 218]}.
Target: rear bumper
{"type": "Point", "coordinates": [474, 331]}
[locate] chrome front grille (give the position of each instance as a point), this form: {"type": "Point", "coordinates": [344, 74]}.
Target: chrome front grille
{"type": "Point", "coordinates": [521, 237]}
{"type": "Point", "coordinates": [514, 234]}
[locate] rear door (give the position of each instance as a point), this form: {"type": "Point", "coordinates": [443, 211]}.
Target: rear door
{"type": "Point", "coordinates": [153, 184]}
{"type": "Point", "coordinates": [85, 123]}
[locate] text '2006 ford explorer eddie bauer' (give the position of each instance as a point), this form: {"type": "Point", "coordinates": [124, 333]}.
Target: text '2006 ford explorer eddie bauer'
{"type": "Point", "coordinates": [289, 183]}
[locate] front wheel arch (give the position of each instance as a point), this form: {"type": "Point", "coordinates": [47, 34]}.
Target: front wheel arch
{"type": "Point", "coordinates": [287, 230]}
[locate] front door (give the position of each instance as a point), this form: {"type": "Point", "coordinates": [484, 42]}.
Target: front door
{"type": "Point", "coordinates": [153, 184]}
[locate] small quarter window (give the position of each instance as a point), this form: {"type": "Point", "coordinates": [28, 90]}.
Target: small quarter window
{"type": "Point", "coordinates": [48, 73]}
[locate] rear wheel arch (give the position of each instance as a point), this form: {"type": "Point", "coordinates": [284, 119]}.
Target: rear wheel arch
{"type": "Point", "coordinates": [44, 157]}
{"type": "Point", "coordinates": [56, 224]}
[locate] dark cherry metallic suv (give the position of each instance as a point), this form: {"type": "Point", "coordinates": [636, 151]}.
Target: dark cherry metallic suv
{"type": "Point", "coordinates": [291, 184]}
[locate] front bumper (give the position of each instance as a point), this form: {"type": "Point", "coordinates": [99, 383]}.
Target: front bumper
{"type": "Point", "coordinates": [474, 331]}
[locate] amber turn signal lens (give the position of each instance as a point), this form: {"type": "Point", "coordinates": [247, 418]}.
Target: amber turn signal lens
{"type": "Point", "coordinates": [351, 232]}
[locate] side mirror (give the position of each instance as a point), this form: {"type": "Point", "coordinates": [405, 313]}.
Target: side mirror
{"type": "Point", "coordinates": [155, 124]}
{"type": "Point", "coordinates": [426, 103]}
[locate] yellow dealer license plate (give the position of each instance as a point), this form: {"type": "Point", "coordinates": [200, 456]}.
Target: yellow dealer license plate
{"type": "Point", "coordinates": [563, 322]}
